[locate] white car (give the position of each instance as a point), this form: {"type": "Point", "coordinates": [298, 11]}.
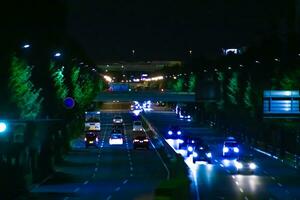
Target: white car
{"type": "Point", "coordinates": [137, 126]}
{"type": "Point", "coordinates": [116, 139]}
{"type": "Point", "coordinates": [118, 119]}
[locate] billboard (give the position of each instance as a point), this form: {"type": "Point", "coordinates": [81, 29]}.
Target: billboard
{"type": "Point", "coordinates": [281, 103]}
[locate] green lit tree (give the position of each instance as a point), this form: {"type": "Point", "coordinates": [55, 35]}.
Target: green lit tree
{"type": "Point", "coordinates": [178, 87]}
{"type": "Point", "coordinates": [291, 81]}
{"type": "Point", "coordinates": [84, 88]}
{"type": "Point", "coordinates": [220, 103]}
{"type": "Point", "coordinates": [233, 89]}
{"type": "Point", "coordinates": [248, 98]}
{"type": "Point", "coordinates": [192, 83]}
{"type": "Point", "coordinates": [57, 75]}
{"type": "Point", "coordinates": [23, 92]}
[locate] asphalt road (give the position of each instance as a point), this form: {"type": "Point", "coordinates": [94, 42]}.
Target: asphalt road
{"type": "Point", "coordinates": [272, 180]}
{"type": "Point", "coordinates": [107, 172]}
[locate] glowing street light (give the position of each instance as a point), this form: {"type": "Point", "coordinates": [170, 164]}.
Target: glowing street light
{"type": "Point", "coordinates": [3, 127]}
{"type": "Point", "coordinates": [26, 46]}
{"type": "Point", "coordinates": [57, 54]}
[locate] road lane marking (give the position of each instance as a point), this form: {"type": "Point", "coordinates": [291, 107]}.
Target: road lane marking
{"type": "Point", "coordinates": [246, 198]}
{"type": "Point", "coordinates": [96, 169]}
{"type": "Point", "coordinates": [124, 182]}
{"type": "Point", "coordinates": [86, 182]}
{"type": "Point", "coordinates": [131, 175]}
{"type": "Point", "coordinates": [130, 163]}
{"type": "Point", "coordinates": [77, 189]}
{"type": "Point", "coordinates": [216, 160]}
{"type": "Point", "coordinates": [241, 190]}
{"type": "Point", "coordinates": [131, 168]}
{"type": "Point", "coordinates": [221, 165]}
{"type": "Point", "coordinates": [98, 155]}
{"type": "Point", "coordinates": [66, 198]}
{"type": "Point", "coordinates": [272, 177]}
{"type": "Point", "coordinates": [117, 189]}
{"type": "Point", "coordinates": [233, 176]}
{"type": "Point", "coordinates": [236, 182]}
{"type": "Point", "coordinates": [108, 198]}
{"type": "Point", "coordinates": [279, 184]}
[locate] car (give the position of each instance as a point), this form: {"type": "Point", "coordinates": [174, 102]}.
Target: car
{"type": "Point", "coordinates": [245, 164]}
{"type": "Point", "coordinates": [91, 138]}
{"type": "Point", "coordinates": [140, 141]}
{"type": "Point", "coordinates": [116, 139]}
{"type": "Point", "coordinates": [137, 126]}
{"type": "Point", "coordinates": [190, 143]}
{"type": "Point", "coordinates": [202, 153]}
{"type": "Point", "coordinates": [174, 132]}
{"type": "Point", "coordinates": [184, 114]}
{"type": "Point", "coordinates": [117, 119]}
{"type": "Point", "coordinates": [230, 148]}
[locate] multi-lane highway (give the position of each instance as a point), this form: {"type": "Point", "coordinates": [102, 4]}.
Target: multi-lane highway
{"type": "Point", "coordinates": [272, 180]}
{"type": "Point", "coordinates": [107, 172]}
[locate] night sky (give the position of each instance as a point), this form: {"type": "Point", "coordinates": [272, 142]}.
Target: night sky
{"type": "Point", "coordinates": [109, 30]}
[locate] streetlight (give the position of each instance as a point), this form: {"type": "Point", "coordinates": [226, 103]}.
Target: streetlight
{"type": "Point", "coordinates": [190, 52]}
{"type": "Point", "coordinates": [3, 127]}
{"type": "Point", "coordinates": [26, 46]}
{"type": "Point", "coordinates": [57, 54]}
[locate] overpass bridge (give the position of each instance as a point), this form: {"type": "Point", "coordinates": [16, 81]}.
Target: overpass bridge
{"type": "Point", "coordinates": [149, 95]}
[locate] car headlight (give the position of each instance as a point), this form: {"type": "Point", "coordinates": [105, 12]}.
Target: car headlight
{"type": "Point", "coordinates": [195, 154]}
{"type": "Point", "coordinates": [238, 165]}
{"type": "Point", "coordinates": [170, 132]}
{"type": "Point", "coordinates": [180, 116]}
{"type": "Point", "coordinates": [189, 116]}
{"type": "Point", "coordinates": [97, 139]}
{"type": "Point", "coordinates": [178, 132]}
{"type": "Point", "coordinates": [208, 155]}
{"type": "Point", "coordinates": [252, 166]}
{"type": "Point", "coordinates": [236, 150]}
{"type": "Point", "coordinates": [190, 148]}
{"type": "Point", "coordinates": [225, 149]}
{"type": "Point", "coordinates": [85, 139]}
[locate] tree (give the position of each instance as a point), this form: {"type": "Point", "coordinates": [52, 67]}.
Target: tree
{"type": "Point", "coordinates": [178, 87]}
{"type": "Point", "coordinates": [84, 87]}
{"type": "Point", "coordinates": [291, 81]}
{"type": "Point", "coordinates": [192, 83]}
{"type": "Point", "coordinates": [248, 101]}
{"type": "Point", "coordinates": [233, 89]}
{"type": "Point", "coordinates": [220, 103]}
{"type": "Point", "coordinates": [23, 92]}
{"type": "Point", "coordinates": [59, 81]}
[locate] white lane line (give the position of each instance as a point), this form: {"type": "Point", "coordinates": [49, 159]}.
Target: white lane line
{"type": "Point", "coordinates": [221, 165]}
{"type": "Point", "coordinates": [117, 189]}
{"type": "Point", "coordinates": [130, 163]}
{"type": "Point", "coordinates": [108, 198]}
{"type": "Point", "coordinates": [96, 169]}
{"type": "Point", "coordinates": [124, 182]}
{"type": "Point", "coordinates": [131, 175]}
{"type": "Point", "coordinates": [76, 190]}
{"type": "Point", "coordinates": [236, 182]}
{"type": "Point", "coordinates": [86, 182]}
{"type": "Point", "coordinates": [246, 198]}
{"type": "Point", "coordinates": [272, 177]}
{"type": "Point", "coordinates": [216, 160]}
{"type": "Point", "coordinates": [131, 168]}
{"type": "Point", "coordinates": [66, 198]}
{"type": "Point", "coordinates": [241, 190]}
{"type": "Point", "coordinates": [279, 184]}
{"type": "Point", "coordinates": [233, 176]}
{"type": "Point", "coordinates": [98, 155]}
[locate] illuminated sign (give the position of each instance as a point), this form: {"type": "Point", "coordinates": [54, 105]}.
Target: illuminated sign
{"type": "Point", "coordinates": [281, 102]}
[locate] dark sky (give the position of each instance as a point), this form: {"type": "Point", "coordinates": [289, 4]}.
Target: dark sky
{"type": "Point", "coordinates": [167, 29]}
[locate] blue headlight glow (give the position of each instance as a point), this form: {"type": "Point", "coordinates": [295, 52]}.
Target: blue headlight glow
{"type": "Point", "coordinates": [170, 132]}
{"type": "Point", "coordinates": [238, 165]}
{"type": "Point", "coordinates": [178, 132]}
{"type": "Point", "coordinates": [208, 155]}
{"type": "Point", "coordinates": [236, 150]}
{"type": "Point", "coordinates": [225, 149]}
{"type": "Point", "coordinates": [195, 154]}
{"type": "Point", "coordinates": [252, 166]}
{"type": "Point", "coordinates": [190, 148]}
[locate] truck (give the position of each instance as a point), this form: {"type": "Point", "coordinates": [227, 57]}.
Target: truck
{"type": "Point", "coordinates": [92, 128]}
